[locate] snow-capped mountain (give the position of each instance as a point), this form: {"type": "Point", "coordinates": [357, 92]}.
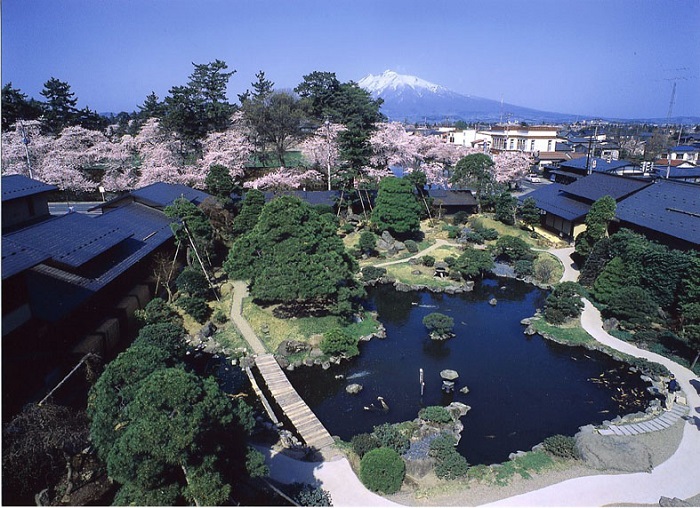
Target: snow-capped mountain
{"type": "Point", "coordinates": [412, 99]}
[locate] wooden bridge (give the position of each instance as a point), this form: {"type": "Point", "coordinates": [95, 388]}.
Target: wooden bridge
{"type": "Point", "coordinates": [309, 428]}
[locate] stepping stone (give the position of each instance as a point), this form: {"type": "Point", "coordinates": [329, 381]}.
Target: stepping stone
{"type": "Point", "coordinates": [606, 432]}
{"type": "Point", "coordinates": [617, 431]}
{"type": "Point", "coordinates": [663, 423]}
{"type": "Point", "coordinates": [626, 431]}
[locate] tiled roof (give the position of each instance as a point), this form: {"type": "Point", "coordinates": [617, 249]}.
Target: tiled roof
{"type": "Point", "coordinates": [550, 198]}
{"type": "Point", "coordinates": [677, 172]}
{"type": "Point", "coordinates": [597, 185]}
{"type": "Point", "coordinates": [72, 239]}
{"type": "Point", "coordinates": [669, 207]}
{"type": "Point", "coordinates": [17, 257]}
{"type": "Point", "coordinates": [596, 164]}
{"type": "Point", "coordinates": [452, 197]}
{"type": "Point", "coordinates": [19, 186]}
{"type": "Point", "coordinates": [160, 195]}
{"type": "Point", "coordinates": [685, 148]}
{"type": "Point", "coordinates": [56, 292]}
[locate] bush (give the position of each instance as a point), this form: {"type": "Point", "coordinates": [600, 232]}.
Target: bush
{"type": "Point", "coordinates": [370, 273]}
{"type": "Point", "coordinates": [564, 302]}
{"type": "Point", "coordinates": [158, 311]}
{"type": "Point", "coordinates": [449, 464]}
{"type": "Point", "coordinates": [193, 282]}
{"type": "Point", "coordinates": [363, 443]}
{"type": "Point", "coordinates": [337, 342]}
{"type": "Point", "coordinates": [460, 218]}
{"type": "Point", "coordinates": [437, 323]}
{"type": "Point", "coordinates": [411, 246]}
{"type": "Point", "coordinates": [436, 414]}
{"type": "Point", "coordinates": [450, 261]}
{"type": "Point", "coordinates": [167, 336]}
{"type": "Point", "coordinates": [428, 260]}
{"type": "Point", "coordinates": [544, 269]}
{"type": "Point", "coordinates": [513, 249]}
{"type": "Point", "coordinates": [382, 470]}
{"type": "Point", "coordinates": [561, 446]}
{"type": "Point", "coordinates": [452, 231]}
{"type": "Point", "coordinates": [389, 436]}
{"type": "Point", "coordinates": [307, 495]}
{"type": "Point", "coordinates": [367, 242]}
{"type": "Point", "coordinates": [523, 267]}
{"type": "Point", "coordinates": [631, 304]}
{"type": "Point", "coordinates": [195, 306]}
{"type": "Point", "coordinates": [220, 316]}
{"type": "Point", "coordinates": [474, 237]}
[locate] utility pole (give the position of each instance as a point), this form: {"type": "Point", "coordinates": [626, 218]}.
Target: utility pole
{"type": "Point", "coordinates": [25, 142]}
{"type": "Point", "coordinates": [328, 146]}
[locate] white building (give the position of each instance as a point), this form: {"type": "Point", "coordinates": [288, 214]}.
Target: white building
{"type": "Point", "coordinates": [530, 139]}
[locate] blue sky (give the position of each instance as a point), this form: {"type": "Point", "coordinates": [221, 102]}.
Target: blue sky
{"type": "Point", "coordinates": [612, 58]}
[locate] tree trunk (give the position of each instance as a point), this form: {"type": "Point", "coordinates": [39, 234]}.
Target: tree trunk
{"type": "Point", "coordinates": [697, 356]}
{"type": "Point", "coordinates": [187, 479]}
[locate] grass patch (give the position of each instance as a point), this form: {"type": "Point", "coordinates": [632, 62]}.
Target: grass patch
{"type": "Point", "coordinates": [570, 334]}
{"type": "Point", "coordinates": [402, 273]}
{"type": "Point", "coordinates": [272, 331]}
{"type": "Point", "coordinates": [503, 229]}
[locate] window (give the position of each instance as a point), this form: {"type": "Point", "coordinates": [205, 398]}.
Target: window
{"type": "Point", "coordinates": [549, 145]}
{"type": "Point", "coordinates": [532, 145]}
{"type": "Point", "coordinates": [511, 144]}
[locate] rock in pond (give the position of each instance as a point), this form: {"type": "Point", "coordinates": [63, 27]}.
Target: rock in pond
{"type": "Point", "coordinates": [353, 389]}
{"type": "Point", "coordinates": [449, 374]}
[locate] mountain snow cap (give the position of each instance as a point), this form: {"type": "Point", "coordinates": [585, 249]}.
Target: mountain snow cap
{"type": "Point", "coordinates": [390, 80]}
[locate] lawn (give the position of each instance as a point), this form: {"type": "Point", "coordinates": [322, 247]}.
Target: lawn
{"type": "Point", "coordinates": [272, 331]}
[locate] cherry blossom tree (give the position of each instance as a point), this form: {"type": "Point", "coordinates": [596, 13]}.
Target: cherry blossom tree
{"type": "Point", "coordinates": [285, 178]}
{"type": "Point", "coordinates": [24, 148]}
{"type": "Point", "coordinates": [393, 146]}
{"type": "Point", "coordinates": [321, 151]}
{"type": "Point", "coordinates": [509, 167]}
{"type": "Point", "coordinates": [230, 148]}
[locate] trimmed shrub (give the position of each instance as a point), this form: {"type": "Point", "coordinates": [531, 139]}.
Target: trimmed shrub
{"type": "Point", "coordinates": [167, 336]}
{"type": "Point", "coordinates": [523, 267]}
{"type": "Point", "coordinates": [460, 218]}
{"type": "Point", "coordinates": [367, 242]}
{"type": "Point", "coordinates": [449, 464]}
{"type": "Point", "coordinates": [337, 342]}
{"type": "Point", "coordinates": [220, 316]}
{"type": "Point", "coordinates": [195, 306]}
{"type": "Point", "coordinates": [411, 246]}
{"type": "Point", "coordinates": [564, 302]}
{"type": "Point", "coordinates": [437, 323]}
{"type": "Point", "coordinates": [158, 311]}
{"type": "Point", "coordinates": [382, 470]}
{"type": "Point", "coordinates": [450, 261]}
{"type": "Point", "coordinates": [306, 494]}
{"type": "Point", "coordinates": [370, 273]}
{"type": "Point", "coordinates": [428, 260]}
{"type": "Point", "coordinates": [437, 414]}
{"type": "Point", "coordinates": [389, 436]}
{"type": "Point", "coordinates": [474, 237]}
{"type": "Point", "coordinates": [561, 446]}
{"type": "Point", "coordinates": [193, 282]}
{"type": "Point", "coordinates": [363, 443]}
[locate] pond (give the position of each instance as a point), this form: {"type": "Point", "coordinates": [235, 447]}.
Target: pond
{"type": "Point", "coordinates": [521, 389]}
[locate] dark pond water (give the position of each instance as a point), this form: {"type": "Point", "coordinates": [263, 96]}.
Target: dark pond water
{"type": "Point", "coordinates": [522, 389]}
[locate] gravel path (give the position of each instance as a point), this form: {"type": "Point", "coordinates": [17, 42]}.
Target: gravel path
{"type": "Point", "coordinates": [438, 243]}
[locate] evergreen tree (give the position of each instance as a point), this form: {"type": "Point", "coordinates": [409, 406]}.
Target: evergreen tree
{"type": "Point", "coordinates": [16, 106]}
{"type": "Point", "coordinates": [475, 171]}
{"type": "Point", "coordinates": [220, 183]}
{"type": "Point", "coordinates": [529, 213]}
{"type": "Point", "coordinates": [252, 206]}
{"type": "Point", "coordinates": [597, 220]}
{"type": "Point", "coordinates": [396, 209]}
{"type": "Point", "coordinates": [473, 262]}
{"type": "Point", "coordinates": [294, 255]}
{"type": "Point", "coordinates": [59, 108]}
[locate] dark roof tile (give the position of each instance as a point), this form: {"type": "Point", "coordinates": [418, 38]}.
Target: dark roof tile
{"type": "Point", "coordinates": [19, 186]}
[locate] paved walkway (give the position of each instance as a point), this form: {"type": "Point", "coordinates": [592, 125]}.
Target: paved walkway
{"type": "Point", "coordinates": [570, 268]}
{"type": "Point", "coordinates": [240, 291]}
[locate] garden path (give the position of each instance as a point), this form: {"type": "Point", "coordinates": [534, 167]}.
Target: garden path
{"type": "Point", "coordinates": [438, 243]}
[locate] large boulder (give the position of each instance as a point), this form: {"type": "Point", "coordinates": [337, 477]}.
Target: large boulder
{"type": "Point", "coordinates": [618, 453]}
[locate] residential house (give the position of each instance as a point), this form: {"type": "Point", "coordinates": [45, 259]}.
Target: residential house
{"type": "Point", "coordinates": [571, 170]}
{"type": "Point", "coordinates": [24, 201]}
{"type": "Point", "coordinates": [530, 139]}
{"type": "Point", "coordinates": [666, 211]}
{"type": "Point", "coordinates": [563, 208]}
{"type": "Point", "coordinates": [71, 284]}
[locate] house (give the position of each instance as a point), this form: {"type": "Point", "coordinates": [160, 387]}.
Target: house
{"type": "Point", "coordinates": [524, 138]}
{"type": "Point", "coordinates": [571, 170]}
{"type": "Point", "coordinates": [24, 201]}
{"type": "Point", "coordinates": [666, 211]}
{"type": "Point", "coordinates": [75, 281]}
{"type": "Point", "coordinates": [680, 172]}
{"type": "Point", "coordinates": [687, 153]}
{"type": "Point", "coordinates": [564, 207]}
{"type": "Point", "coordinates": [452, 201]}
{"type": "Point", "coordinates": [329, 198]}
{"type": "Point", "coordinates": [156, 195]}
